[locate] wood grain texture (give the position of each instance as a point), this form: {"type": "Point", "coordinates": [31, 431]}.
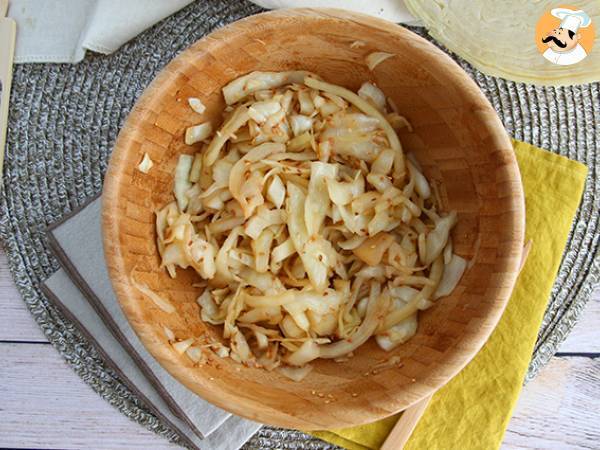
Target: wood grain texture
{"type": "Point", "coordinates": [585, 336]}
{"type": "Point", "coordinates": [44, 404]}
{"type": "Point", "coordinates": [16, 322]}
{"type": "Point", "coordinates": [559, 409]}
{"type": "Point", "coordinates": [457, 137]}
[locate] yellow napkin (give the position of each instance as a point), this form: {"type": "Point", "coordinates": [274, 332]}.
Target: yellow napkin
{"type": "Point", "coordinates": [472, 411]}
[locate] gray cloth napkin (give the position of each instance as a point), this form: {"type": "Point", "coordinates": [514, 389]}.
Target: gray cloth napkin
{"type": "Point", "coordinates": [70, 300]}
{"type": "Point", "coordinates": [77, 241]}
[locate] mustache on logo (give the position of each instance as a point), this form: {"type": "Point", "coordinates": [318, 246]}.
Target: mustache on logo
{"type": "Point", "coordinates": [555, 40]}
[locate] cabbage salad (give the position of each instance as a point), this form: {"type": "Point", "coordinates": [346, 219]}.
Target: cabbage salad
{"type": "Point", "coordinates": [310, 229]}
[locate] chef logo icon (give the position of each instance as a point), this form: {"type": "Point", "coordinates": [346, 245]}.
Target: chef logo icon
{"type": "Point", "coordinates": [565, 35]}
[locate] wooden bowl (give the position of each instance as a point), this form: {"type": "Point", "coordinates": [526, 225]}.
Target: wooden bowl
{"type": "Point", "coordinates": [458, 139]}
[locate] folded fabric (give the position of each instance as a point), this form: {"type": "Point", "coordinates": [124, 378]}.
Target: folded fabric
{"type": "Point", "coordinates": [393, 10]}
{"type": "Point", "coordinates": [62, 291]}
{"type": "Point", "coordinates": [473, 410]}
{"type": "Point", "coordinates": [62, 30]}
{"type": "Point", "coordinates": [77, 243]}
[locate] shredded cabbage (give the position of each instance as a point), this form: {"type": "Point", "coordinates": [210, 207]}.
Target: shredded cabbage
{"type": "Point", "coordinates": [437, 239]}
{"type": "Point", "coordinates": [296, 374]}
{"type": "Point", "coordinates": [197, 105]}
{"type": "Point", "coordinates": [195, 354]}
{"type": "Point", "coordinates": [238, 119]}
{"type": "Point", "coordinates": [163, 304]}
{"type": "Point", "coordinates": [376, 58]}
{"type": "Point", "coordinates": [341, 193]}
{"type": "Point", "coordinates": [145, 164]}
{"type": "Point", "coordinates": [182, 182]}
{"type": "Point", "coordinates": [257, 81]}
{"type": "Point", "coordinates": [309, 228]}
{"type": "Point", "coordinates": [196, 169]}
{"type": "Point", "coordinates": [384, 162]}
{"type": "Point", "coordinates": [373, 95]}
{"type": "Point", "coordinates": [398, 334]}
{"type": "Point", "coordinates": [317, 200]}
{"type": "Point", "coordinates": [198, 133]}
{"type": "Point", "coordinates": [181, 346]}
{"type": "Point", "coordinates": [372, 249]}
{"type": "Point", "coordinates": [262, 250]}
{"type": "Point", "coordinates": [300, 124]}
{"type": "Point", "coordinates": [308, 247]}
{"type": "Point", "coordinates": [169, 333]}
{"type": "Point", "coordinates": [245, 189]}
{"type": "Point", "coordinates": [276, 192]}
{"type": "Point", "coordinates": [377, 304]}
{"type": "Point", "coordinates": [453, 272]}
{"type": "Point", "coordinates": [307, 352]}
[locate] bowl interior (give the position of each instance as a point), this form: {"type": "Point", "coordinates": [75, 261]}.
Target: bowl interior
{"type": "Point", "coordinates": [456, 137]}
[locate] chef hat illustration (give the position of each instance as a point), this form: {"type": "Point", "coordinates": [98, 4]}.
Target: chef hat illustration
{"type": "Point", "coordinates": [572, 20]}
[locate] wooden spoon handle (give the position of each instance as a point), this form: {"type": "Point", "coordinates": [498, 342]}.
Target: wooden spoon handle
{"type": "Point", "coordinates": [7, 45]}
{"type": "Point", "coordinates": [405, 425]}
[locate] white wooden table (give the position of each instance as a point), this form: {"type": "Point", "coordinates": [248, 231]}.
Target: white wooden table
{"type": "Point", "coordinates": [44, 404]}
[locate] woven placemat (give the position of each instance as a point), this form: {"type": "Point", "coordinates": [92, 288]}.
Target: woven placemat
{"type": "Point", "coordinates": [64, 120]}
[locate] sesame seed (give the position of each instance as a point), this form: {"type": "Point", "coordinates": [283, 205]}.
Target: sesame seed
{"type": "Point", "coordinates": [327, 401]}
{"type": "Point", "coordinates": [321, 395]}
{"type": "Point", "coordinates": [354, 394]}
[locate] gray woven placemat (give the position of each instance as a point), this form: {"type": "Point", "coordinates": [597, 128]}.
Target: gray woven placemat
{"type": "Point", "coordinates": [64, 120]}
